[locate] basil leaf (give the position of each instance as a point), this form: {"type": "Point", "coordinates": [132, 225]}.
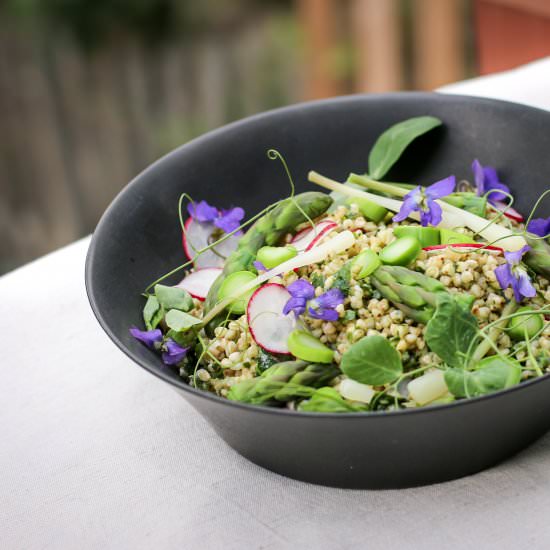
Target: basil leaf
{"type": "Point", "coordinates": [171, 297]}
{"type": "Point", "coordinates": [391, 144]}
{"type": "Point", "coordinates": [372, 360]}
{"type": "Point", "coordinates": [265, 360]}
{"type": "Point", "coordinates": [451, 331]}
{"type": "Point", "coordinates": [342, 279]}
{"type": "Point", "coordinates": [492, 374]}
{"type": "Point", "coordinates": [152, 313]}
{"type": "Point", "coordinates": [180, 321]}
{"type": "Point", "coordinates": [329, 400]}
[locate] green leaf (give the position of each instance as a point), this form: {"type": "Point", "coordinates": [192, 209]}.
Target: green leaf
{"type": "Point", "coordinates": [342, 279]}
{"type": "Point", "coordinates": [492, 374]}
{"type": "Point", "coordinates": [391, 144]}
{"type": "Point", "coordinates": [152, 313]}
{"type": "Point", "coordinates": [451, 331]}
{"type": "Point", "coordinates": [171, 297]}
{"type": "Point", "coordinates": [180, 321]}
{"type": "Point", "coordinates": [329, 400]}
{"type": "Point", "coordinates": [372, 360]}
{"type": "Point", "coordinates": [265, 360]}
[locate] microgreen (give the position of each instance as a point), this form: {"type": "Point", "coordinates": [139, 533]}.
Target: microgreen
{"type": "Point", "coordinates": [392, 143]}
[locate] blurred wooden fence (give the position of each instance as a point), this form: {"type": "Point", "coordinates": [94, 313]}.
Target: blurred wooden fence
{"type": "Point", "coordinates": [75, 128]}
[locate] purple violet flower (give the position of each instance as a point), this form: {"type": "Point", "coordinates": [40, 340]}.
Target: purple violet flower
{"type": "Point", "coordinates": [513, 274]}
{"type": "Point", "coordinates": [486, 179]}
{"type": "Point", "coordinates": [202, 211]}
{"type": "Point", "coordinates": [423, 201]}
{"type": "Point", "coordinates": [226, 220]}
{"type": "Point", "coordinates": [174, 353]}
{"type": "Point", "coordinates": [148, 337]}
{"type": "Point", "coordinates": [229, 220]}
{"type": "Point", "coordinates": [539, 227]}
{"type": "Point", "coordinates": [259, 265]}
{"type": "Point", "coordinates": [324, 306]}
{"type": "Point", "coordinates": [303, 297]}
{"type": "Point", "coordinates": [301, 291]}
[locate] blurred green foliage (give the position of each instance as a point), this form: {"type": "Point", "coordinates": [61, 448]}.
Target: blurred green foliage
{"type": "Point", "coordinates": [93, 22]}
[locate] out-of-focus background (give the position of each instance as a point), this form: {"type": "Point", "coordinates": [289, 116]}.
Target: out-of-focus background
{"type": "Point", "coordinates": [92, 91]}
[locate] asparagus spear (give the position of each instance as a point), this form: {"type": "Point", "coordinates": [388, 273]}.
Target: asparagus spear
{"type": "Point", "coordinates": [538, 258]}
{"type": "Point", "coordinates": [268, 230]}
{"type": "Point", "coordinates": [413, 293]}
{"type": "Point", "coordinates": [283, 382]}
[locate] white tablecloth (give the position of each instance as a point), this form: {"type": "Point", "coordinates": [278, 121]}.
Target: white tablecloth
{"type": "Point", "coordinates": [97, 453]}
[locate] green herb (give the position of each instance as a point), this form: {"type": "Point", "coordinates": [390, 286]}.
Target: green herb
{"type": "Point", "coordinates": [342, 278]}
{"type": "Point", "coordinates": [491, 374]}
{"type": "Point", "coordinates": [152, 313]}
{"type": "Point", "coordinates": [180, 321]}
{"type": "Point", "coordinates": [171, 297]}
{"type": "Point", "coordinates": [328, 400]}
{"type": "Point", "coordinates": [265, 360]}
{"type": "Point", "coordinates": [391, 144]}
{"type": "Point", "coordinates": [317, 280]}
{"type": "Point", "coordinates": [469, 202]}
{"type": "Point", "coordinates": [350, 315]}
{"type": "Point", "coordinates": [451, 331]}
{"type": "Point", "coordinates": [372, 360]}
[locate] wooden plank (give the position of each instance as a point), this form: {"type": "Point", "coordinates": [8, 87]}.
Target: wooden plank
{"type": "Point", "coordinates": [438, 37]}
{"type": "Point", "coordinates": [509, 36]}
{"type": "Point", "coordinates": [318, 23]}
{"type": "Point", "coordinates": [534, 7]}
{"type": "Point", "coordinates": [376, 34]}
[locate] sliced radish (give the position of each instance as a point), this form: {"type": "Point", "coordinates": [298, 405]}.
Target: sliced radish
{"type": "Point", "coordinates": [508, 211]}
{"type": "Point", "coordinates": [199, 282]}
{"type": "Point", "coordinates": [308, 238]}
{"type": "Point", "coordinates": [473, 246]}
{"type": "Point", "coordinates": [198, 235]}
{"type": "Point", "coordinates": [268, 325]}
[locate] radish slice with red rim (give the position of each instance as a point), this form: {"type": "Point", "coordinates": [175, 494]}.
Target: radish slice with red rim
{"type": "Point", "coordinates": [508, 211]}
{"type": "Point", "coordinates": [199, 282]}
{"type": "Point", "coordinates": [268, 325]}
{"type": "Point", "coordinates": [465, 246]}
{"type": "Point", "coordinates": [308, 237]}
{"type": "Point", "coordinates": [198, 235]}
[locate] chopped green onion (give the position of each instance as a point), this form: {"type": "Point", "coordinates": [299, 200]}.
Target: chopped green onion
{"type": "Point", "coordinates": [308, 348]}
{"type": "Point", "coordinates": [369, 209]}
{"type": "Point", "coordinates": [271, 256]}
{"type": "Point", "coordinates": [449, 236]}
{"type": "Point", "coordinates": [402, 251]}
{"type": "Point", "coordinates": [426, 236]}
{"type": "Point", "coordinates": [365, 262]}
{"type": "Point", "coordinates": [231, 285]}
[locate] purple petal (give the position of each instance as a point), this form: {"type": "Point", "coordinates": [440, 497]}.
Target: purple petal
{"type": "Point", "coordinates": [202, 211]}
{"type": "Point", "coordinates": [148, 337]}
{"type": "Point", "coordinates": [295, 304]}
{"type": "Point", "coordinates": [259, 265]}
{"type": "Point", "coordinates": [524, 285]}
{"type": "Point", "coordinates": [479, 176]}
{"type": "Point", "coordinates": [504, 275]}
{"type": "Point", "coordinates": [441, 188]}
{"type": "Point", "coordinates": [330, 299]}
{"type": "Point", "coordinates": [324, 314]}
{"type": "Point", "coordinates": [539, 227]}
{"type": "Point", "coordinates": [514, 258]}
{"type": "Point", "coordinates": [230, 220]}
{"type": "Point", "coordinates": [434, 215]}
{"type": "Point", "coordinates": [174, 353]}
{"type": "Point", "coordinates": [495, 195]}
{"type": "Point", "coordinates": [301, 289]}
{"type": "Point", "coordinates": [411, 202]}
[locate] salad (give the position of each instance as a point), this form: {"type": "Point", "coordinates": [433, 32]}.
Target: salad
{"type": "Point", "coordinates": [365, 296]}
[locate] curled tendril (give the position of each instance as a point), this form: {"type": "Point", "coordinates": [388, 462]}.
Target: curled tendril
{"type": "Point", "coordinates": [273, 154]}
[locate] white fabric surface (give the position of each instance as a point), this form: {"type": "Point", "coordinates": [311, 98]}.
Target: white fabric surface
{"type": "Point", "coordinates": [97, 454]}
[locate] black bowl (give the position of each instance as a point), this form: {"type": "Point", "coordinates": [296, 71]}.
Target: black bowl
{"type": "Point", "coordinates": [138, 239]}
